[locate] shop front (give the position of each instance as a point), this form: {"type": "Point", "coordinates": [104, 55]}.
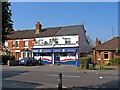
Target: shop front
{"type": "Point", "coordinates": [56, 55]}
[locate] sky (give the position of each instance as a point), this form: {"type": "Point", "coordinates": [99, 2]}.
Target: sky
{"type": "Point", "coordinates": [100, 19]}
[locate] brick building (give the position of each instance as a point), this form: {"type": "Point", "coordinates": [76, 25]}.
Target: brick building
{"type": "Point", "coordinates": [107, 50]}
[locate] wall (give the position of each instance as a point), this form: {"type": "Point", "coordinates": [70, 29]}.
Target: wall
{"type": "Point", "coordinates": [21, 46]}
{"type": "Point", "coordinates": [61, 42]}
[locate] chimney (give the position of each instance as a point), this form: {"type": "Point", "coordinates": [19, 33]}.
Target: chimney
{"type": "Point", "coordinates": [97, 42]}
{"type": "Point", "coordinates": [38, 28]}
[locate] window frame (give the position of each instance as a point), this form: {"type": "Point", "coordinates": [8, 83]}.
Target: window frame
{"type": "Point", "coordinates": [106, 52]}
{"type": "Point", "coordinates": [67, 40]}
{"type": "Point", "coordinates": [25, 43]}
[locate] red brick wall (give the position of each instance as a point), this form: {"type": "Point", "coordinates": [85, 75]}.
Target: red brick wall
{"type": "Point", "coordinates": [21, 46]}
{"type": "Point", "coordinates": [102, 56]}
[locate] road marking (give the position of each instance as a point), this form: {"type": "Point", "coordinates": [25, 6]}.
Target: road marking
{"type": "Point", "coordinates": [63, 76]}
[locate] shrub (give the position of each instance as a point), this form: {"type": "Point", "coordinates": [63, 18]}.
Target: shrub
{"type": "Point", "coordinates": [84, 62]}
{"type": "Point", "coordinates": [115, 61]}
{"type": "Point", "coordinates": [12, 57]}
{"type": "Point", "coordinates": [5, 58]}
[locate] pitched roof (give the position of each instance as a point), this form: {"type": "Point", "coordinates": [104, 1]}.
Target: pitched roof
{"type": "Point", "coordinates": [70, 30]}
{"type": "Point", "coordinates": [110, 44]}
{"type": "Point", "coordinates": [46, 32]}
{"type": "Point", "coordinates": [25, 34]}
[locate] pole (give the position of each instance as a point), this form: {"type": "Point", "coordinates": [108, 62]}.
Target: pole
{"type": "Point", "coordinates": [60, 82]}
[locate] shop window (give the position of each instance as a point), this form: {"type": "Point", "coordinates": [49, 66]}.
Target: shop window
{"type": "Point", "coordinates": [36, 54]}
{"type": "Point", "coordinates": [106, 55]}
{"type": "Point", "coordinates": [63, 54]}
{"type": "Point", "coordinates": [71, 54]}
{"type": "Point", "coordinates": [67, 40]}
{"type": "Point", "coordinates": [46, 54]}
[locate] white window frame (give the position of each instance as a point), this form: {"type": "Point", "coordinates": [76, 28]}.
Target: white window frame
{"type": "Point", "coordinates": [18, 44]}
{"type": "Point", "coordinates": [67, 40]}
{"type": "Point", "coordinates": [99, 55]}
{"type": "Point", "coordinates": [13, 44]}
{"type": "Point", "coordinates": [26, 43]}
{"type": "Point", "coordinates": [106, 52]}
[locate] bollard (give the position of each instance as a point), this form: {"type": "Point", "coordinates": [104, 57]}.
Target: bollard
{"type": "Point", "coordinates": [60, 82]}
{"type": "Point", "coordinates": [8, 62]}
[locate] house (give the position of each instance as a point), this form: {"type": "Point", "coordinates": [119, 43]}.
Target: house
{"type": "Point", "coordinates": [64, 44]}
{"type": "Point", "coordinates": [107, 50]}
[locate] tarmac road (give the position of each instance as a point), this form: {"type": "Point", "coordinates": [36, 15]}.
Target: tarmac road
{"type": "Point", "coordinates": [47, 77]}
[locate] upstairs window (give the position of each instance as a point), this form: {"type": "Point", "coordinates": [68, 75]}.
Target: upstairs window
{"type": "Point", "coordinates": [67, 40]}
{"type": "Point", "coordinates": [25, 43]}
{"type": "Point", "coordinates": [13, 44]}
{"type": "Point", "coordinates": [17, 43]}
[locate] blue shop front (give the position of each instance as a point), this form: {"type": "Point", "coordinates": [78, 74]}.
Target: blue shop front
{"type": "Point", "coordinates": [56, 55]}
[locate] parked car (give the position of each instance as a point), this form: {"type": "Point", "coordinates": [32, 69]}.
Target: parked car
{"type": "Point", "coordinates": [28, 61]}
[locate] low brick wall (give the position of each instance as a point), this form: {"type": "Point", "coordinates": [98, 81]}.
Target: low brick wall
{"type": "Point", "coordinates": [12, 63]}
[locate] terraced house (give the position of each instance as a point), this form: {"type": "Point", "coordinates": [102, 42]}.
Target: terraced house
{"type": "Point", "coordinates": [64, 44]}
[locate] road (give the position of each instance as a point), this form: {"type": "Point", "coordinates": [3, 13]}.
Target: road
{"type": "Point", "coordinates": [47, 77]}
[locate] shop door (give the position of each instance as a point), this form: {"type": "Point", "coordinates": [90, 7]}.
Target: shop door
{"type": "Point", "coordinates": [57, 58]}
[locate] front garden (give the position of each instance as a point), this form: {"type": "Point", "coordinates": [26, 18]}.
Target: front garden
{"type": "Point", "coordinates": [87, 63]}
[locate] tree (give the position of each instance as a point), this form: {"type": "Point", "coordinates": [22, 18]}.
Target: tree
{"type": "Point", "coordinates": [6, 20]}
{"type": "Point", "coordinates": [91, 44]}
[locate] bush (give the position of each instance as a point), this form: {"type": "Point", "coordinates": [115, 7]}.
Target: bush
{"type": "Point", "coordinates": [12, 57]}
{"type": "Point", "coordinates": [5, 58]}
{"type": "Point", "coordinates": [115, 61]}
{"type": "Point", "coordinates": [84, 62]}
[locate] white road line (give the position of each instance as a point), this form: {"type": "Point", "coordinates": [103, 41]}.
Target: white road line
{"type": "Point", "coordinates": [63, 76]}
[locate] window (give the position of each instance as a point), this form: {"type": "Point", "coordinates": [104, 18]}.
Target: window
{"type": "Point", "coordinates": [25, 43]}
{"type": "Point", "coordinates": [106, 55]}
{"type": "Point", "coordinates": [99, 56]}
{"type": "Point", "coordinates": [17, 43]}
{"type": "Point", "coordinates": [67, 40]}
{"type": "Point", "coordinates": [6, 44]}
{"type": "Point", "coordinates": [13, 44]}
{"type": "Point", "coordinates": [12, 53]}
{"type": "Point", "coordinates": [24, 54]}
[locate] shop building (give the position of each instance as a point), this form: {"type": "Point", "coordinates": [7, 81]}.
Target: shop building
{"type": "Point", "coordinates": [55, 45]}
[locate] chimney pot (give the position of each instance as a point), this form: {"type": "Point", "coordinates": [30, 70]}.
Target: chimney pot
{"type": "Point", "coordinates": [38, 27]}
